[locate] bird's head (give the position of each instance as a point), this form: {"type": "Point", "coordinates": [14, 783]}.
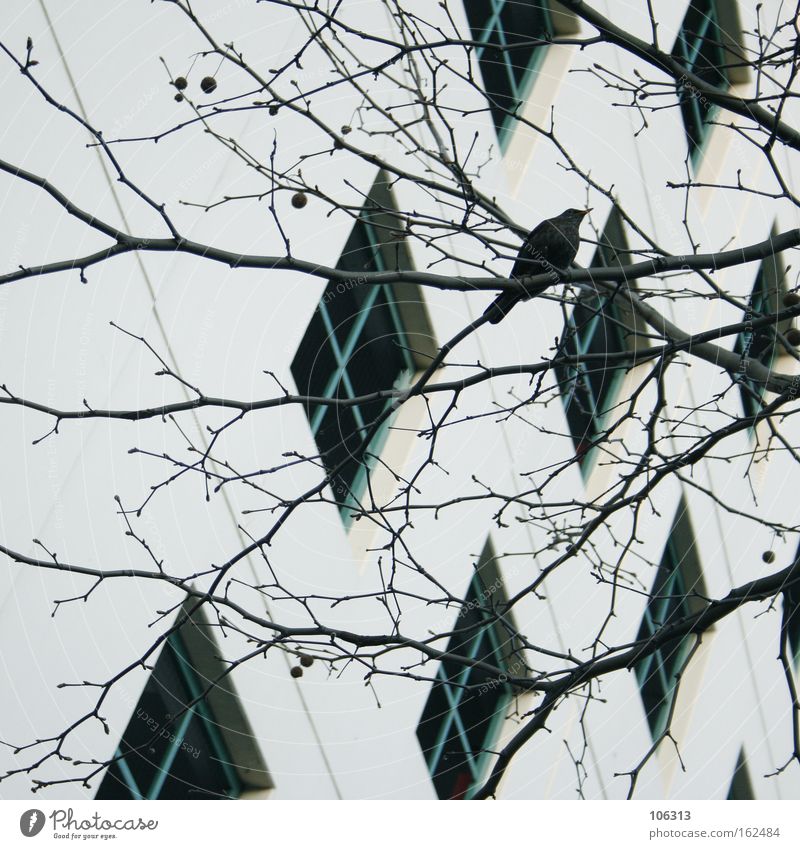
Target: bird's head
{"type": "Point", "coordinates": [575, 214]}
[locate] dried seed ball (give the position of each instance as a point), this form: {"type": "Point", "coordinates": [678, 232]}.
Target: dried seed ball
{"type": "Point", "coordinates": [180, 83]}
{"type": "Point", "coordinates": [179, 97]}
{"type": "Point", "coordinates": [768, 556]}
{"type": "Point", "coordinates": [793, 336]}
{"type": "Point", "coordinates": [296, 672]}
{"type": "Point", "coordinates": [299, 200]}
{"type": "Point", "coordinates": [306, 660]}
{"type": "Point", "coordinates": [346, 130]}
{"type": "Point", "coordinates": [791, 299]}
{"type": "Point", "coordinates": [208, 84]}
{"type": "Point", "coordinates": [273, 110]}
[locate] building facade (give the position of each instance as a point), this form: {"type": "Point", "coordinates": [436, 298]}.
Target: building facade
{"type": "Point", "coordinates": [298, 720]}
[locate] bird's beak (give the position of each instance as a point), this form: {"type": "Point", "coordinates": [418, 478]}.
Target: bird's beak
{"type": "Point", "coordinates": [587, 211]}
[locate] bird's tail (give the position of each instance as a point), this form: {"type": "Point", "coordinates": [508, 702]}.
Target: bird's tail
{"type": "Point", "coordinates": [499, 308]}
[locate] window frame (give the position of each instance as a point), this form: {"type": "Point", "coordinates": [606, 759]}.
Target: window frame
{"type": "Point", "coordinates": [408, 314]}
{"type": "Point", "coordinates": [770, 286]}
{"type": "Point", "coordinates": [618, 324]}
{"type": "Point", "coordinates": [679, 576]}
{"type": "Point", "coordinates": [454, 693]}
{"type": "Point", "coordinates": [518, 91]}
{"type": "Point", "coordinates": [688, 55]}
{"type": "Point", "coordinates": [485, 592]}
{"type": "Point", "coordinates": [666, 665]}
{"type": "Point", "coordinates": [340, 374]}
{"type": "Point", "coordinates": [200, 710]}
{"type": "Point", "coordinates": [212, 674]}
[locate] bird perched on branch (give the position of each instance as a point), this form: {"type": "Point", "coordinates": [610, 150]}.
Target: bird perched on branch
{"type": "Point", "coordinates": [550, 247]}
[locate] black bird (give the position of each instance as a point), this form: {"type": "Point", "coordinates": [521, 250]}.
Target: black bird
{"type": "Point", "coordinates": [550, 247]}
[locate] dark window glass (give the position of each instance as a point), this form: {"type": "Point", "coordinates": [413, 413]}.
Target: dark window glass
{"type": "Point", "coordinates": [741, 787]}
{"type": "Point", "coordinates": [668, 603]}
{"type": "Point", "coordinates": [192, 776]}
{"type": "Point", "coordinates": [700, 49]}
{"type": "Point", "coordinates": [453, 776]}
{"type": "Point", "coordinates": [354, 346]}
{"type": "Point", "coordinates": [339, 440]}
{"type": "Point", "coordinates": [791, 596]}
{"type": "Point", "coordinates": [758, 344]}
{"type": "Point", "coordinates": [594, 330]}
{"type": "Point", "coordinates": [170, 750]}
{"type": "Point", "coordinates": [791, 599]}
{"type": "Point", "coordinates": [312, 363]}
{"type": "Point", "coordinates": [505, 29]}
{"type": "Point", "coordinates": [461, 717]}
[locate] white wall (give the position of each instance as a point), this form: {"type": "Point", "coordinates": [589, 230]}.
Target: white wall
{"type": "Point", "coordinates": [324, 736]}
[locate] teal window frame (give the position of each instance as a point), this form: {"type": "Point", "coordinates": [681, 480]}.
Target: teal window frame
{"type": "Point", "coordinates": [517, 79]}
{"type": "Point", "coordinates": [594, 327]}
{"type": "Point", "coordinates": [668, 603]}
{"type": "Point", "coordinates": [336, 361]}
{"type": "Point", "coordinates": [760, 344]}
{"type": "Point", "coordinates": [123, 777]}
{"type": "Point", "coordinates": [448, 728]}
{"type": "Point", "coordinates": [699, 48]}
